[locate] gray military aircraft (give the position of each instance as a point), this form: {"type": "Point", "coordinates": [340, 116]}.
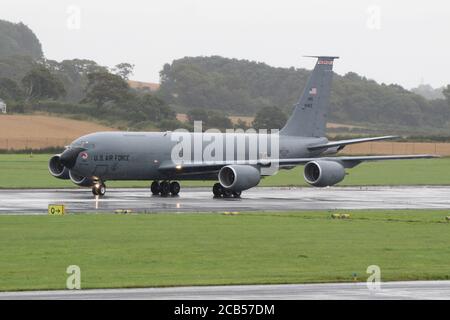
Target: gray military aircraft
{"type": "Point", "coordinates": [93, 159]}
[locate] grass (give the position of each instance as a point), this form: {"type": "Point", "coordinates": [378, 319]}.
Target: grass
{"type": "Point", "coordinates": [23, 171]}
{"type": "Point", "coordinates": [200, 249]}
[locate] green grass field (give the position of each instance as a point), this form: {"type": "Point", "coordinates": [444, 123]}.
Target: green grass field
{"type": "Point", "coordinates": [200, 249]}
{"type": "Point", "coordinates": [23, 171]}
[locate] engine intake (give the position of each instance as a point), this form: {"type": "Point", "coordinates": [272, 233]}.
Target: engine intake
{"type": "Point", "coordinates": [56, 168]}
{"type": "Point", "coordinates": [80, 180]}
{"type": "Point", "coordinates": [323, 173]}
{"type": "Point", "coordinates": [239, 177]}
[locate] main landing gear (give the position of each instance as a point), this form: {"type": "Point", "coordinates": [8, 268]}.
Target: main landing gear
{"type": "Point", "coordinates": [164, 188]}
{"type": "Point", "coordinates": [220, 191]}
{"type": "Point", "coordinates": [99, 189]}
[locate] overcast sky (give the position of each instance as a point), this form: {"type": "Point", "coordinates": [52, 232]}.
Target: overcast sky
{"type": "Point", "coordinates": [404, 42]}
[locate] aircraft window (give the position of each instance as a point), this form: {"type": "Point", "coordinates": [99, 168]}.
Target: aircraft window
{"type": "Point", "coordinates": [134, 135]}
{"type": "Point", "coordinates": [88, 145]}
{"type": "Point", "coordinates": [84, 144]}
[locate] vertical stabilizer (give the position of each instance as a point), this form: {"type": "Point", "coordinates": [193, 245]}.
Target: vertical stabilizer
{"type": "Point", "coordinates": [309, 118]}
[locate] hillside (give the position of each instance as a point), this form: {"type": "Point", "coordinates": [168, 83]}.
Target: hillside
{"type": "Point", "coordinates": [243, 87]}
{"type": "Point", "coordinates": [18, 39]}
{"type": "Point", "coordinates": [40, 131]}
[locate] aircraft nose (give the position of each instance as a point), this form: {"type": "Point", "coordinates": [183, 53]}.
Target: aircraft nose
{"type": "Point", "coordinates": [69, 157]}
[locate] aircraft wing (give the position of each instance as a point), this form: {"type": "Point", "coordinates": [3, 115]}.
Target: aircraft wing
{"type": "Point", "coordinates": [351, 161]}
{"type": "Point", "coordinates": [213, 166]}
{"type": "Point", "coordinates": [342, 143]}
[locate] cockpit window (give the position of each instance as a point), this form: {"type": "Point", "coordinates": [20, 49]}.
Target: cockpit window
{"type": "Point", "coordinates": [87, 144]}
{"type": "Point", "coordinates": [83, 144]}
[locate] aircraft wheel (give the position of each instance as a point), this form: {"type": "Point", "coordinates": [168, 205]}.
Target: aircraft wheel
{"type": "Point", "coordinates": [217, 190]}
{"type": "Point", "coordinates": [165, 188]}
{"type": "Point", "coordinates": [99, 189]}
{"type": "Point", "coordinates": [155, 187]}
{"type": "Point", "coordinates": [227, 193]}
{"type": "Point", "coordinates": [237, 194]}
{"type": "Point", "coordinates": [174, 188]}
{"type": "Point", "coordinates": [102, 190]}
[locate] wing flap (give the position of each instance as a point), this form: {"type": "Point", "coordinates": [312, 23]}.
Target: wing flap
{"type": "Point", "coordinates": [343, 143]}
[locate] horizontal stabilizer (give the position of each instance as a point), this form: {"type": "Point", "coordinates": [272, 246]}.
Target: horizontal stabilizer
{"type": "Point", "coordinates": [323, 57]}
{"type": "Point", "coordinates": [343, 143]}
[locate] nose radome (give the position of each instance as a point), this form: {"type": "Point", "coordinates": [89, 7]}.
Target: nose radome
{"type": "Point", "coordinates": [69, 156]}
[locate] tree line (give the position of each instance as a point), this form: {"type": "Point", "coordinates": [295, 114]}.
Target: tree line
{"type": "Point", "coordinates": [245, 87]}
{"type": "Point", "coordinates": [205, 88]}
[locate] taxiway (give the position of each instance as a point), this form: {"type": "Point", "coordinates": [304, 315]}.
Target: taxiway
{"type": "Point", "coordinates": [201, 200]}
{"type": "Point", "coordinates": [387, 290]}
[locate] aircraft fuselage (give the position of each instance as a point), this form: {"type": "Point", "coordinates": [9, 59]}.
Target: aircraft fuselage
{"type": "Point", "coordinates": [138, 155]}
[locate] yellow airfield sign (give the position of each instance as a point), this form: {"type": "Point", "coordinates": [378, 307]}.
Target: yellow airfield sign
{"type": "Point", "coordinates": [56, 209]}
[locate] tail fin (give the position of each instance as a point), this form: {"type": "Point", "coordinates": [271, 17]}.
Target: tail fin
{"type": "Point", "coordinates": [309, 118]}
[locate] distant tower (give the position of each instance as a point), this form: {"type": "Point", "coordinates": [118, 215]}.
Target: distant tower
{"type": "Point", "coordinates": [2, 106]}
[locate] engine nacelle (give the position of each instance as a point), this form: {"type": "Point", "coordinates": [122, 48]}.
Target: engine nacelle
{"type": "Point", "coordinates": [80, 180]}
{"type": "Point", "coordinates": [56, 168]}
{"type": "Point", "coordinates": [239, 177]}
{"type": "Point", "coordinates": [323, 173]}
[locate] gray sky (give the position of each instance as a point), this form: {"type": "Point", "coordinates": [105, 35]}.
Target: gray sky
{"type": "Point", "coordinates": [398, 41]}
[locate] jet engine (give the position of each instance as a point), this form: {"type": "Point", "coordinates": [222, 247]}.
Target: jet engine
{"type": "Point", "coordinates": [80, 180]}
{"type": "Point", "coordinates": [239, 177]}
{"type": "Point", "coordinates": [56, 168]}
{"type": "Point", "coordinates": [323, 173]}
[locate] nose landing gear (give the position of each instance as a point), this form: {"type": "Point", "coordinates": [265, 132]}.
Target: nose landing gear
{"type": "Point", "coordinates": [99, 189]}
{"type": "Point", "coordinates": [164, 188]}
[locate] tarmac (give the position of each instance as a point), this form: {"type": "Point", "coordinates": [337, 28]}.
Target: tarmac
{"type": "Point", "coordinates": [19, 201]}
{"type": "Point", "coordinates": [327, 291]}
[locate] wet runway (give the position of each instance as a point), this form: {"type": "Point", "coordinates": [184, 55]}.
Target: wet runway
{"type": "Point", "coordinates": [387, 290]}
{"type": "Point", "coordinates": [201, 200]}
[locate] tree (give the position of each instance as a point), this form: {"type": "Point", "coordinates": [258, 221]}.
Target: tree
{"type": "Point", "coordinates": [106, 87]}
{"type": "Point", "coordinates": [446, 93]}
{"type": "Point", "coordinates": [147, 108]}
{"type": "Point", "coordinates": [218, 120]}
{"type": "Point", "coordinates": [124, 70]}
{"type": "Point", "coordinates": [18, 39]}
{"type": "Point", "coordinates": [269, 118]}
{"type": "Point", "coordinates": [10, 90]}
{"type": "Point", "coordinates": [73, 74]}
{"type": "Point", "coordinates": [197, 114]}
{"type": "Point", "coordinates": [39, 83]}
{"type": "Point", "coordinates": [210, 118]}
